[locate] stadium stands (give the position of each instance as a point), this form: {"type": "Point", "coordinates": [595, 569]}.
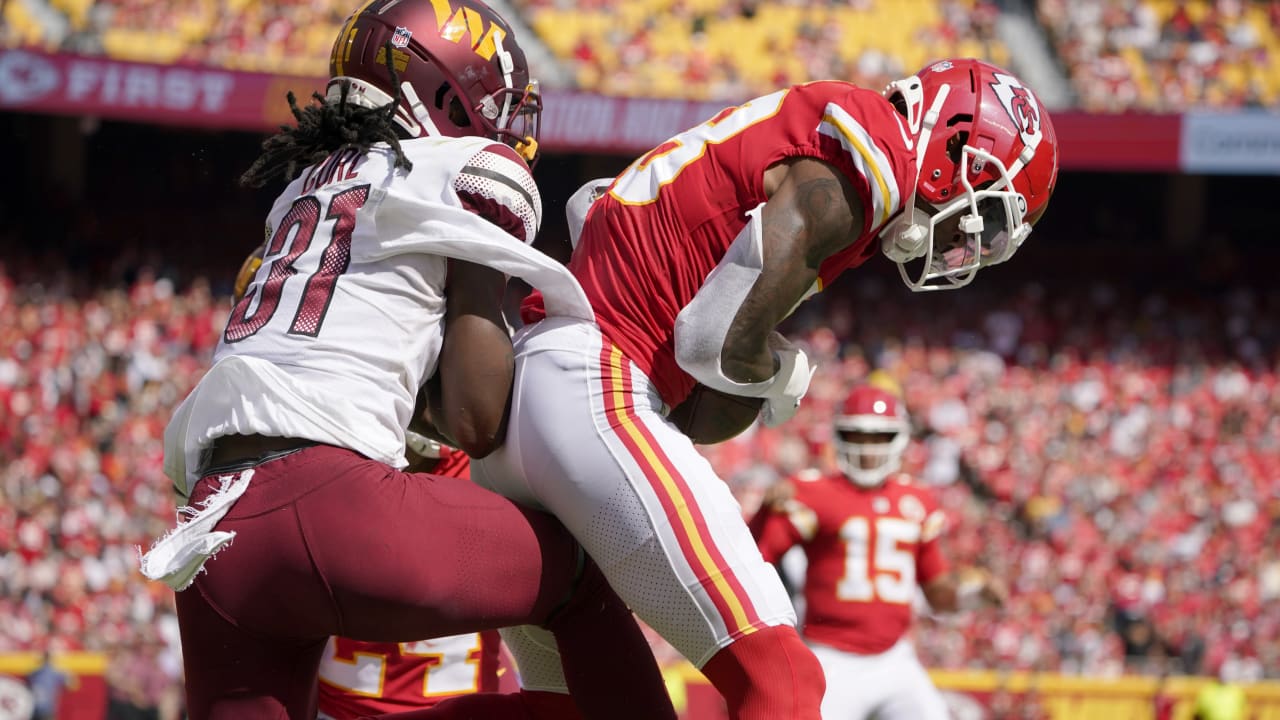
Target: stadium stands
{"type": "Point", "coordinates": [1168, 55]}
{"type": "Point", "coordinates": [1161, 55]}
{"type": "Point", "coordinates": [705, 49]}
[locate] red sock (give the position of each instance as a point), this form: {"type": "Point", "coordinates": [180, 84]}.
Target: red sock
{"type": "Point", "coordinates": [768, 675]}
{"type": "Point", "coordinates": [522, 705]}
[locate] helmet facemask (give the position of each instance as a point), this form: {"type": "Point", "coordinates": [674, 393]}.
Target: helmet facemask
{"type": "Point", "coordinates": [985, 224]}
{"type": "Point", "coordinates": [869, 449]}
{"type": "Point", "coordinates": [990, 225]}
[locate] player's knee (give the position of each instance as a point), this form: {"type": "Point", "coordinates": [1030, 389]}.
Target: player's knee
{"type": "Point", "coordinates": [591, 593]}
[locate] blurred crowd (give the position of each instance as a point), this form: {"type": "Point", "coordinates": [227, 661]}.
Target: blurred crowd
{"type": "Point", "coordinates": [1168, 55]}
{"type": "Point", "coordinates": [1114, 456]}
{"type": "Point", "coordinates": [1162, 55]}
{"type": "Point", "coordinates": [712, 50]}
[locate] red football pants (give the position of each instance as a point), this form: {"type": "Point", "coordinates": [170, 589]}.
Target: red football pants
{"type": "Point", "coordinates": [331, 543]}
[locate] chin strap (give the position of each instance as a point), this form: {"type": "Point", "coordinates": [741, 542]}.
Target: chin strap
{"type": "Point", "coordinates": [907, 237]}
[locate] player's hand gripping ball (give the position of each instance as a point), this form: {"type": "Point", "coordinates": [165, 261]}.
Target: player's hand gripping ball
{"type": "Point", "coordinates": [709, 416]}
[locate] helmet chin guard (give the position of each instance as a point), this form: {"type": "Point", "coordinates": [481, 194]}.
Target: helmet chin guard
{"type": "Point", "coordinates": [991, 228]}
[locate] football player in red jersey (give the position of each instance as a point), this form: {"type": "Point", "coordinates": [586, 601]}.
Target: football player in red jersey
{"type": "Point", "coordinates": [691, 260]}
{"type": "Point", "coordinates": [408, 201]}
{"type": "Point", "coordinates": [871, 535]}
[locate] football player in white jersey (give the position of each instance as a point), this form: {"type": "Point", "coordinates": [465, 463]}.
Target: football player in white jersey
{"type": "Point", "coordinates": [408, 201]}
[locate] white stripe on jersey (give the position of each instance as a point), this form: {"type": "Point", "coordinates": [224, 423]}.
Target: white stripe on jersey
{"type": "Point", "coordinates": [496, 181]}
{"type": "Point", "coordinates": [867, 158]}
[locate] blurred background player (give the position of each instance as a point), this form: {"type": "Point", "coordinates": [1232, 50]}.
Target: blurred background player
{"type": "Point", "coordinates": [691, 260]}
{"type": "Point", "coordinates": [362, 678]}
{"type": "Point", "coordinates": [387, 257]}
{"type": "Point", "coordinates": [871, 535]}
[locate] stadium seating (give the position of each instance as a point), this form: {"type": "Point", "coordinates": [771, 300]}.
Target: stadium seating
{"type": "Point", "coordinates": [1165, 55]}
{"type": "Point", "coordinates": [1168, 55]}
{"type": "Point", "coordinates": [706, 49]}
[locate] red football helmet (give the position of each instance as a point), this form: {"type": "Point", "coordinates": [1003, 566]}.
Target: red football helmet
{"type": "Point", "coordinates": [461, 72]}
{"type": "Point", "coordinates": [987, 161]}
{"type": "Point", "coordinates": [871, 411]}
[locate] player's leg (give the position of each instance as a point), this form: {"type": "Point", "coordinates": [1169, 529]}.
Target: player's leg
{"type": "Point", "coordinates": [330, 543]}
{"type": "Point", "coordinates": [587, 441]}
{"type": "Point", "coordinates": [236, 675]}
{"type": "Point", "coordinates": [855, 685]}
{"type": "Point", "coordinates": [913, 696]}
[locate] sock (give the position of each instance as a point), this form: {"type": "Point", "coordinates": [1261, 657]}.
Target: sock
{"type": "Point", "coordinates": [768, 675]}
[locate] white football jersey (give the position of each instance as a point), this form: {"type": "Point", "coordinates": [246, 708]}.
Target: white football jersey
{"type": "Point", "coordinates": [343, 321]}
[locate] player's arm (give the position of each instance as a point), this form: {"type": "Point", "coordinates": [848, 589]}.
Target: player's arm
{"type": "Point", "coordinates": [725, 337]}
{"type": "Point", "coordinates": [966, 589]}
{"type": "Point", "coordinates": [469, 395]}
{"type": "Point", "coordinates": [781, 523]}
{"type": "Point", "coordinates": [951, 590]}
{"type": "Point", "coordinates": [812, 214]}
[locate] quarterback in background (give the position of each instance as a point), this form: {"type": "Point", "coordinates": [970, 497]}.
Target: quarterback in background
{"type": "Point", "coordinates": [691, 259]}
{"type": "Point", "coordinates": [871, 535]}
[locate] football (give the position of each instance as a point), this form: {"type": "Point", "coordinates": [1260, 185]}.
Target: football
{"type": "Point", "coordinates": [709, 416]}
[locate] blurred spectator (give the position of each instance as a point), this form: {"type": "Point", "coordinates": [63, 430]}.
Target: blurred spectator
{"type": "Point", "coordinates": [46, 683]}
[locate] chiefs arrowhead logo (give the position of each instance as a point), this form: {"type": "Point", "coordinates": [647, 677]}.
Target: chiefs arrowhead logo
{"type": "Point", "coordinates": [1021, 105]}
{"type": "Point", "coordinates": [25, 78]}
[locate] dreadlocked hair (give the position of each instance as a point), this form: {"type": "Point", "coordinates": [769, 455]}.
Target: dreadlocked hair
{"type": "Point", "coordinates": [324, 127]}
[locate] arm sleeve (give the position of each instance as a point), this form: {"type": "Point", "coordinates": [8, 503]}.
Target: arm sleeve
{"type": "Point", "coordinates": [931, 563]}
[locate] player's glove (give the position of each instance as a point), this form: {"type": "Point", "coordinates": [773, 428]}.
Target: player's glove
{"type": "Point", "coordinates": [794, 374]}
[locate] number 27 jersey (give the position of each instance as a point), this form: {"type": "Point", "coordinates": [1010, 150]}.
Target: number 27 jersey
{"type": "Point", "coordinates": [667, 221]}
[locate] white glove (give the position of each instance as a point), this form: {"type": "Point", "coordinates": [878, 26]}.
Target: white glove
{"type": "Point", "coordinates": [781, 405]}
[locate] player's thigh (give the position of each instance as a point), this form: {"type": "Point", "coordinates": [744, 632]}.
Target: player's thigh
{"type": "Point", "coordinates": [854, 688]}
{"type": "Point", "coordinates": [914, 695]}
{"type": "Point", "coordinates": [587, 437]}
{"type": "Point", "coordinates": [409, 556]}
{"type": "Point", "coordinates": [233, 674]}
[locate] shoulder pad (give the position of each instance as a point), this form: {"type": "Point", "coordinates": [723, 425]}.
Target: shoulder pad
{"type": "Point", "coordinates": [495, 183]}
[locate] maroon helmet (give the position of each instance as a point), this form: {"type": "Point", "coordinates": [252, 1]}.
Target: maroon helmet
{"type": "Point", "coordinates": [460, 70]}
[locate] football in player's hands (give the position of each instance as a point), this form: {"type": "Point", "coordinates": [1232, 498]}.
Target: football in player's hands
{"type": "Point", "coordinates": [709, 416]}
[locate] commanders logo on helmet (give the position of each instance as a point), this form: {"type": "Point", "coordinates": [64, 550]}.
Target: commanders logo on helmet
{"type": "Point", "coordinates": [459, 69]}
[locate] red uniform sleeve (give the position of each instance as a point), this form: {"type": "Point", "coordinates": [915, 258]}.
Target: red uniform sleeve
{"type": "Point", "coordinates": [931, 563]}
{"type": "Point", "coordinates": [774, 534]}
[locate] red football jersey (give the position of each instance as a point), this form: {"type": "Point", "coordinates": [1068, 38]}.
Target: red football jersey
{"type": "Point", "coordinates": [667, 220]}
{"type": "Point", "coordinates": [358, 679]}
{"type": "Point", "coordinates": [867, 551]}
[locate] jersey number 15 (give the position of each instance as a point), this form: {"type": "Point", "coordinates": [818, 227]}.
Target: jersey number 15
{"type": "Point", "coordinates": [889, 573]}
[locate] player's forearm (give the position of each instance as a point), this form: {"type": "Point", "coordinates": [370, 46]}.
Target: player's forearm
{"type": "Point", "coordinates": [477, 363]}
{"type": "Point", "coordinates": [941, 594]}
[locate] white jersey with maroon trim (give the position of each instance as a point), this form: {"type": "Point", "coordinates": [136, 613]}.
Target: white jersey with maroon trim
{"type": "Point", "coordinates": [342, 323]}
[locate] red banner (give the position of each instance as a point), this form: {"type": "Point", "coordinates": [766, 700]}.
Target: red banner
{"type": "Point", "coordinates": [187, 95]}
